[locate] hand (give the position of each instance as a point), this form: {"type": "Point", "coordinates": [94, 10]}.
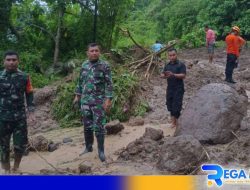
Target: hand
{"type": "Point", "coordinates": [31, 118]}
{"type": "Point", "coordinates": [76, 99]}
{"type": "Point", "coordinates": [107, 105]}
{"type": "Point", "coordinates": [168, 74]}
{"type": "Point", "coordinates": [163, 75]}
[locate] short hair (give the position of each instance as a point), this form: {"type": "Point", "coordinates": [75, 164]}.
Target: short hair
{"type": "Point", "coordinates": [93, 45]}
{"type": "Point", "coordinates": [157, 41]}
{"type": "Point", "coordinates": [10, 52]}
{"type": "Point", "coordinates": [206, 26]}
{"type": "Point", "coordinates": [172, 49]}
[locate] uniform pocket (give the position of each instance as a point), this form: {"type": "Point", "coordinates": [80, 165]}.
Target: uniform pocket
{"type": "Point", "coordinates": [98, 78]}
{"type": "Point", "coordinates": [4, 88]}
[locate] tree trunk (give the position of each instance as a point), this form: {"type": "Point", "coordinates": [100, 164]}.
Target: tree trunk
{"type": "Point", "coordinates": [95, 21]}
{"type": "Point", "coordinates": [58, 33]}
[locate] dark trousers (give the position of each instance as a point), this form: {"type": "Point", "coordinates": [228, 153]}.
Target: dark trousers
{"type": "Point", "coordinates": [94, 119]}
{"type": "Point", "coordinates": [20, 137]}
{"type": "Point", "coordinates": [174, 101]}
{"type": "Point", "coordinates": [231, 64]}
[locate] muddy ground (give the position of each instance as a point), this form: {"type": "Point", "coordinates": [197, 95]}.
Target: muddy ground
{"type": "Point", "coordinates": [67, 155]}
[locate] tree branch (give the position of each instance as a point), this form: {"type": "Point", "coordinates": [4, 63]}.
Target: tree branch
{"type": "Point", "coordinates": [43, 29]}
{"type": "Point", "coordinates": [126, 31]}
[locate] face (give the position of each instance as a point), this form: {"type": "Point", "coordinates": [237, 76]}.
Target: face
{"type": "Point", "coordinates": [172, 56]}
{"type": "Point", "coordinates": [93, 53]}
{"type": "Point", "coordinates": [236, 32]}
{"type": "Point", "coordinates": [11, 62]}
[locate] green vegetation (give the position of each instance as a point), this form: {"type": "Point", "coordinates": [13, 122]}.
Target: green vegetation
{"type": "Point", "coordinates": [185, 20]}
{"type": "Point", "coordinates": [125, 85]}
{"type": "Point", "coordinates": [48, 33]}
{"type": "Point", "coordinates": [63, 109]}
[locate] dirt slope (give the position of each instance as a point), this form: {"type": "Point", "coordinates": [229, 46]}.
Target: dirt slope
{"type": "Point", "coordinates": [67, 155]}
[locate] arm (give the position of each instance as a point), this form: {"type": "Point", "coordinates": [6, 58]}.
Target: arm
{"type": "Point", "coordinates": [78, 91]}
{"type": "Point", "coordinates": [163, 72]}
{"type": "Point", "coordinates": [242, 42]}
{"type": "Point", "coordinates": [29, 95]}
{"type": "Point", "coordinates": [108, 88]}
{"type": "Point", "coordinates": [180, 75]}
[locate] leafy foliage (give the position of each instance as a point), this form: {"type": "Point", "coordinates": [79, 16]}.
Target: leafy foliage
{"type": "Point", "coordinates": [125, 85]}
{"type": "Point", "coordinates": [63, 109]}
{"type": "Point", "coordinates": [124, 90]}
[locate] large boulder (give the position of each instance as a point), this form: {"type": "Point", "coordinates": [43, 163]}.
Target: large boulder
{"type": "Point", "coordinates": [145, 149]}
{"type": "Point", "coordinates": [180, 154]}
{"type": "Point", "coordinates": [213, 113]}
{"type": "Point", "coordinates": [114, 127]}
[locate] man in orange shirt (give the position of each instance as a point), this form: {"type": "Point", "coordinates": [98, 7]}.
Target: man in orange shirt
{"type": "Point", "coordinates": [234, 43]}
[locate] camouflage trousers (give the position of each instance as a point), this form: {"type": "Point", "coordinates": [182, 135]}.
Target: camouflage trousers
{"type": "Point", "coordinates": [94, 118]}
{"type": "Point", "coordinates": [20, 137]}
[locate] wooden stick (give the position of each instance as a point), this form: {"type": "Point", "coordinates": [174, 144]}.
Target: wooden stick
{"type": "Point", "coordinates": [147, 72]}
{"type": "Point", "coordinates": [235, 135]}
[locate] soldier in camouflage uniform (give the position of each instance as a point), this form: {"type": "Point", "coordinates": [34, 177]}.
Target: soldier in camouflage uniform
{"type": "Point", "coordinates": [94, 91]}
{"type": "Point", "coordinates": [15, 86]}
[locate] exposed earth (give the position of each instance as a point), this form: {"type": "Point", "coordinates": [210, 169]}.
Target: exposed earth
{"type": "Point", "coordinates": [66, 160]}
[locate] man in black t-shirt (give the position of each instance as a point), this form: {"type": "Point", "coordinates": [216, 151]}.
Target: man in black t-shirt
{"type": "Point", "coordinates": [174, 72]}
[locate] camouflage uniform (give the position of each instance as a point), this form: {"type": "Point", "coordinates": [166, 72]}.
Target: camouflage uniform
{"type": "Point", "coordinates": [14, 87]}
{"type": "Point", "coordinates": [94, 87]}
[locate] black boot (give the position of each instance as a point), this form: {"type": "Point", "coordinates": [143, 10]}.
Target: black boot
{"type": "Point", "coordinates": [89, 140]}
{"type": "Point", "coordinates": [231, 81]}
{"type": "Point", "coordinates": [227, 77]}
{"type": "Point", "coordinates": [5, 162]}
{"type": "Point", "coordinates": [100, 143]}
{"type": "Point", "coordinates": [17, 161]}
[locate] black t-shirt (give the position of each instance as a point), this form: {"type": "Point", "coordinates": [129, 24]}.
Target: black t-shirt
{"type": "Point", "coordinates": [177, 68]}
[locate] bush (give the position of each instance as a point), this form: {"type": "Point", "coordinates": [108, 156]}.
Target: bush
{"type": "Point", "coordinates": [124, 84]}
{"type": "Point", "coordinates": [62, 107]}
{"type": "Point", "coordinates": [141, 108]}
{"type": "Point", "coordinates": [38, 80]}
{"type": "Point", "coordinates": [193, 40]}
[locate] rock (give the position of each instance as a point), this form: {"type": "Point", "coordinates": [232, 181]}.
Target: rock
{"type": "Point", "coordinates": [42, 95]}
{"type": "Point", "coordinates": [144, 149]}
{"type": "Point", "coordinates": [114, 127]}
{"type": "Point", "coordinates": [136, 121]}
{"type": "Point", "coordinates": [39, 143]}
{"type": "Point", "coordinates": [85, 168]}
{"type": "Point", "coordinates": [140, 150]}
{"type": "Point", "coordinates": [67, 140]}
{"type": "Point", "coordinates": [245, 124]}
{"type": "Point", "coordinates": [153, 134]}
{"type": "Point", "coordinates": [53, 146]}
{"type": "Point", "coordinates": [213, 113]}
{"type": "Point", "coordinates": [180, 154]}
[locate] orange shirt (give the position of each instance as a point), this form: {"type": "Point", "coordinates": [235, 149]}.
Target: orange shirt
{"type": "Point", "coordinates": [234, 44]}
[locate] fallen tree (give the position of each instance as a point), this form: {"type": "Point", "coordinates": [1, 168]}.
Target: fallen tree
{"type": "Point", "coordinates": [150, 61]}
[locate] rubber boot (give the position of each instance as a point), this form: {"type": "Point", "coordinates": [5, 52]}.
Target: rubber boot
{"type": "Point", "coordinates": [17, 161]}
{"type": "Point", "coordinates": [5, 162]}
{"type": "Point", "coordinates": [89, 140]}
{"type": "Point", "coordinates": [6, 167]}
{"type": "Point", "coordinates": [100, 144]}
